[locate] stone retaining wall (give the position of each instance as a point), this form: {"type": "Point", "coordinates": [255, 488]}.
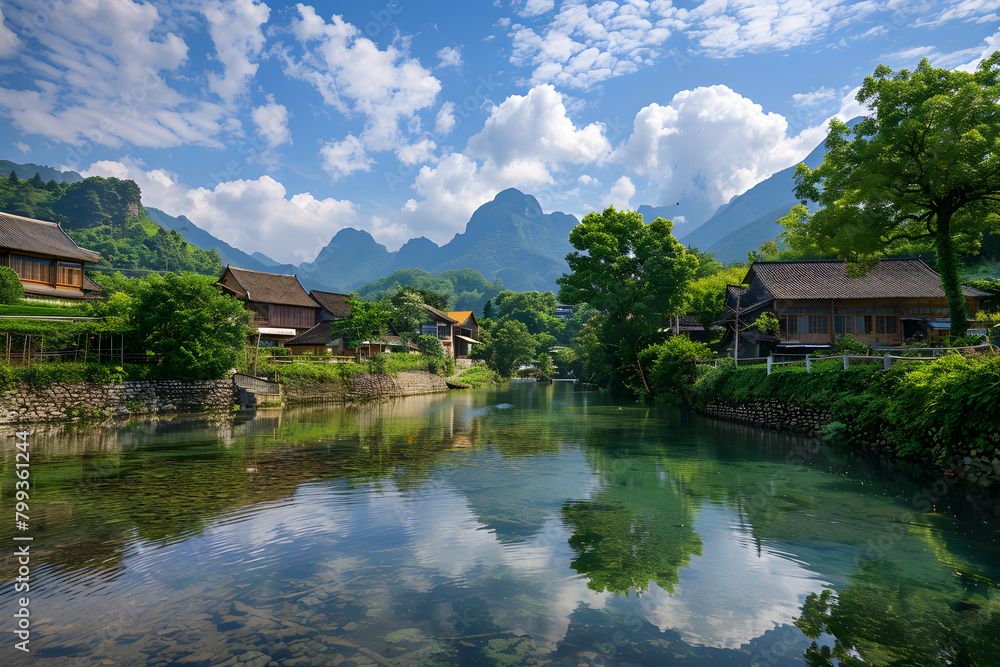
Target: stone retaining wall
{"type": "Point", "coordinates": [28, 403]}
{"type": "Point", "coordinates": [774, 415]}
{"type": "Point", "coordinates": [365, 387]}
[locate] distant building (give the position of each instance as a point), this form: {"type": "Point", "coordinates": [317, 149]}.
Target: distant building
{"type": "Point", "coordinates": [280, 308]}
{"type": "Point", "coordinates": [464, 332]}
{"type": "Point", "coordinates": [48, 262]}
{"type": "Point", "coordinates": [564, 312]}
{"type": "Point", "coordinates": [815, 301]}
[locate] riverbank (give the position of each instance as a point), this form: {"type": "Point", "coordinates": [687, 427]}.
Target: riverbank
{"type": "Point", "coordinates": [943, 414]}
{"type": "Point", "coordinates": [25, 403]}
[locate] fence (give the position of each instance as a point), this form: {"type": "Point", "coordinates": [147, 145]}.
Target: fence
{"type": "Point", "coordinates": [887, 358]}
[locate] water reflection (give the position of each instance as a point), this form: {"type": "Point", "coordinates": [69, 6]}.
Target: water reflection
{"type": "Point", "coordinates": [529, 525]}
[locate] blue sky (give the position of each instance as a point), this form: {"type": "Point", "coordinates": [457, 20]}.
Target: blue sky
{"type": "Point", "coordinates": [274, 125]}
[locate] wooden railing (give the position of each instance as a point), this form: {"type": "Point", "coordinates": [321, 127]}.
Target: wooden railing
{"type": "Point", "coordinates": [887, 358]}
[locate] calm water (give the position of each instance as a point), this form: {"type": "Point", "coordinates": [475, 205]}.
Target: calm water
{"type": "Point", "coordinates": [524, 526]}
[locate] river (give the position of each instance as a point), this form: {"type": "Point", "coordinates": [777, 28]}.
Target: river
{"type": "Point", "coordinates": [530, 524]}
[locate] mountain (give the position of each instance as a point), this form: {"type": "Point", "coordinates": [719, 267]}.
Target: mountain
{"type": "Point", "coordinates": [508, 238]}
{"type": "Point", "coordinates": [748, 220]}
{"type": "Point", "coordinates": [193, 234]}
{"type": "Point", "coordinates": [28, 170]}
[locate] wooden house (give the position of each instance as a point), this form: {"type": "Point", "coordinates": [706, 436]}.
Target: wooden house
{"type": "Point", "coordinates": [815, 301]}
{"type": "Point", "coordinates": [464, 332]}
{"type": "Point", "coordinates": [281, 309]}
{"type": "Point", "coordinates": [439, 325]}
{"type": "Point", "coordinates": [48, 262]}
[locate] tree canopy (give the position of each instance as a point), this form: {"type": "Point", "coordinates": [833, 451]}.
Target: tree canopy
{"type": "Point", "coordinates": [923, 166]}
{"type": "Point", "coordinates": [635, 274]}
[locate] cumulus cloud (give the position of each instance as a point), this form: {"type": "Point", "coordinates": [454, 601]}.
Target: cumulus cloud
{"type": "Point", "coordinates": [450, 57]}
{"type": "Point", "coordinates": [386, 88]}
{"type": "Point", "coordinates": [341, 158]}
{"type": "Point", "coordinates": [619, 195]}
{"type": "Point", "coordinates": [21, 146]}
{"type": "Point", "coordinates": [711, 143]}
{"type": "Point", "coordinates": [254, 215]}
{"type": "Point", "coordinates": [235, 29]}
{"type": "Point", "coordinates": [271, 120]}
{"type": "Point", "coordinates": [818, 97]}
{"type": "Point", "coordinates": [536, 7]}
{"type": "Point", "coordinates": [97, 77]}
{"type": "Point", "coordinates": [445, 119]}
{"type": "Point", "coordinates": [536, 127]}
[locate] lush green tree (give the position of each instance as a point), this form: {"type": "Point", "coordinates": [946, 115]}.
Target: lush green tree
{"type": "Point", "coordinates": [368, 321]}
{"type": "Point", "coordinates": [505, 346]}
{"type": "Point", "coordinates": [11, 289]}
{"type": "Point", "coordinates": [198, 332]}
{"type": "Point", "coordinates": [536, 310]}
{"type": "Point", "coordinates": [923, 165]}
{"type": "Point", "coordinates": [706, 297]}
{"type": "Point", "coordinates": [544, 369]}
{"type": "Point", "coordinates": [37, 182]}
{"type": "Point", "coordinates": [672, 366]}
{"type": "Point", "coordinates": [409, 312]}
{"type": "Point", "coordinates": [636, 274]}
{"type": "Point", "coordinates": [707, 264]}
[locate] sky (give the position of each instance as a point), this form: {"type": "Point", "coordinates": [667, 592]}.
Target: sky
{"type": "Point", "coordinates": [274, 125]}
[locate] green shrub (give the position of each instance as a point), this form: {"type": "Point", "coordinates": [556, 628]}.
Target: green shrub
{"type": "Point", "coordinates": [11, 289]}
{"type": "Point", "coordinates": [479, 376]}
{"type": "Point", "coordinates": [670, 366]}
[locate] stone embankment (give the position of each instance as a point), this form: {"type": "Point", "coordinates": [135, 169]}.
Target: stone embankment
{"type": "Point", "coordinates": [774, 415]}
{"type": "Point", "coordinates": [28, 403]}
{"type": "Point", "coordinates": [365, 387]}
{"type": "Point", "coordinates": [58, 401]}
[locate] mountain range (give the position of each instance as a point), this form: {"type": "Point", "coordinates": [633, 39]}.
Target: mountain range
{"type": "Point", "coordinates": [510, 237]}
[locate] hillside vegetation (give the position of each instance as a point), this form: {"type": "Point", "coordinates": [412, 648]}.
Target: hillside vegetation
{"type": "Point", "coordinates": [106, 215]}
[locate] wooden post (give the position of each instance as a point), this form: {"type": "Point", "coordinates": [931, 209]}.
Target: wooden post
{"type": "Point", "coordinates": [27, 349]}
{"type": "Point", "coordinates": [888, 361]}
{"type": "Point", "coordinates": [845, 362]}
{"type": "Point", "coordinates": [770, 359]}
{"type": "Point", "coordinates": [808, 364]}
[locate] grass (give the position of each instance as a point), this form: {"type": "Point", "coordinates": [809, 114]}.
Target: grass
{"type": "Point", "coordinates": [479, 376]}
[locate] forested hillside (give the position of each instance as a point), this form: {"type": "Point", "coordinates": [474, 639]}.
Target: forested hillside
{"type": "Point", "coordinates": [106, 215]}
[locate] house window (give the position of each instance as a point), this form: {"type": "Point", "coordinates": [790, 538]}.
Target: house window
{"type": "Point", "coordinates": [818, 324]}
{"type": "Point", "coordinates": [261, 313]}
{"type": "Point", "coordinates": [31, 269]}
{"type": "Point", "coordinates": [428, 330]}
{"type": "Point", "coordinates": [789, 326]}
{"type": "Point", "coordinates": [444, 332]}
{"type": "Point", "coordinates": [69, 273]}
{"type": "Point", "coordinates": [863, 324]}
{"type": "Point", "coordinates": [843, 324]}
{"type": "Point", "coordinates": [885, 324]}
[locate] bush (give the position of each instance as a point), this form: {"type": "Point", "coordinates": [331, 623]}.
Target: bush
{"type": "Point", "coordinates": [670, 366]}
{"type": "Point", "coordinates": [479, 376]}
{"type": "Point", "coordinates": [11, 289]}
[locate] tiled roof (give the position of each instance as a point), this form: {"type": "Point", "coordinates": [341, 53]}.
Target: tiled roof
{"type": "Point", "coordinates": [276, 288]}
{"type": "Point", "coordinates": [318, 335]}
{"type": "Point", "coordinates": [828, 279]}
{"type": "Point", "coordinates": [39, 236]}
{"type": "Point", "coordinates": [333, 302]}
{"type": "Point", "coordinates": [441, 316]}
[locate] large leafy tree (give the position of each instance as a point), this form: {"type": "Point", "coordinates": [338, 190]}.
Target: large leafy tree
{"type": "Point", "coordinates": [505, 346]}
{"type": "Point", "coordinates": [368, 321]}
{"type": "Point", "coordinates": [923, 166]}
{"type": "Point", "coordinates": [636, 275]}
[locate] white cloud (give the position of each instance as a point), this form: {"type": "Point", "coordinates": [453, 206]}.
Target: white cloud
{"type": "Point", "coordinates": [450, 57]}
{"type": "Point", "coordinates": [966, 10]}
{"type": "Point", "coordinates": [725, 29]}
{"type": "Point", "coordinates": [271, 120]}
{"type": "Point", "coordinates": [584, 45]}
{"type": "Point", "coordinates": [386, 88]}
{"type": "Point", "coordinates": [535, 127]}
{"type": "Point", "coordinates": [815, 98]}
{"type": "Point", "coordinates": [445, 119]}
{"type": "Point", "coordinates": [421, 151]}
{"type": "Point", "coordinates": [711, 143]}
{"type": "Point", "coordinates": [619, 195]}
{"type": "Point", "coordinates": [536, 7]}
{"type": "Point", "coordinates": [97, 75]}
{"type": "Point", "coordinates": [587, 180]}
{"type": "Point", "coordinates": [990, 44]}
{"type": "Point", "coordinates": [235, 28]}
{"type": "Point", "coordinates": [9, 43]}
{"type": "Point", "coordinates": [253, 215]}
{"type": "Point", "coordinates": [21, 146]}
{"type": "Point", "coordinates": [341, 158]}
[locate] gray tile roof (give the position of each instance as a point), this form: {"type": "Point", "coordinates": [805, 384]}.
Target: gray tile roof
{"type": "Point", "coordinates": [334, 302]}
{"type": "Point", "coordinates": [39, 236]}
{"type": "Point", "coordinates": [828, 279]}
{"type": "Point", "coordinates": [321, 334]}
{"type": "Point", "coordinates": [276, 288]}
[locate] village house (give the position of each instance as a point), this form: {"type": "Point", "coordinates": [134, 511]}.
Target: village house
{"type": "Point", "coordinates": [48, 262]}
{"type": "Point", "coordinates": [456, 330]}
{"type": "Point", "coordinates": [280, 308]}
{"type": "Point", "coordinates": [815, 301]}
